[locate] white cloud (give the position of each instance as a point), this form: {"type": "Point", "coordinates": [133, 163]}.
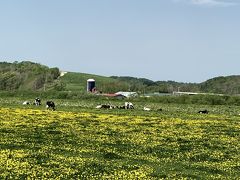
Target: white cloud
{"type": "Point", "coordinates": [209, 2]}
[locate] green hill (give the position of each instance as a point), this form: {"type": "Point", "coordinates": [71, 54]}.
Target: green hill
{"type": "Point", "coordinates": [29, 76]}
{"type": "Point", "coordinates": [222, 85]}
{"type": "Point", "coordinates": [26, 75]}
{"type": "Point", "coordinates": [78, 82]}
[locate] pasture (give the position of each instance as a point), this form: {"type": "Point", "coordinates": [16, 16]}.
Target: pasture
{"type": "Point", "coordinates": [78, 141]}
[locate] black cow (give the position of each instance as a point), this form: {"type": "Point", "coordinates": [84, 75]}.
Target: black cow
{"type": "Point", "coordinates": [203, 112]}
{"type": "Point", "coordinates": [50, 104]}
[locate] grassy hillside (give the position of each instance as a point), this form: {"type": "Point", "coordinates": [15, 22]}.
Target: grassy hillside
{"type": "Point", "coordinates": [224, 85]}
{"type": "Point", "coordinates": [78, 82]}
{"type": "Point", "coordinates": [25, 76]}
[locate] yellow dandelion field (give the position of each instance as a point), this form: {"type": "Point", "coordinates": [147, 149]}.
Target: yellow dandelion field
{"type": "Point", "coordinates": [41, 144]}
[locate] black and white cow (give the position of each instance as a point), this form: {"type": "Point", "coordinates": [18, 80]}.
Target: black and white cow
{"type": "Point", "coordinates": [105, 106]}
{"type": "Point", "coordinates": [50, 105]}
{"type": "Point", "coordinates": [129, 105]}
{"type": "Point", "coordinates": [203, 112]}
{"type": "Point", "coordinates": [37, 102]}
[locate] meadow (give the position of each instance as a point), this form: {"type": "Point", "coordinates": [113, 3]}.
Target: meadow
{"type": "Point", "coordinates": [78, 141]}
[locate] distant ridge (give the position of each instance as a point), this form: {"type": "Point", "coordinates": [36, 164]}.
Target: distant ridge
{"type": "Point", "coordinates": [28, 75]}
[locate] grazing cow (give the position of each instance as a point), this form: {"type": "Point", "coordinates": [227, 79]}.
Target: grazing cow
{"type": "Point", "coordinates": [105, 106]}
{"type": "Point", "coordinates": [203, 112]}
{"type": "Point", "coordinates": [26, 103]}
{"type": "Point", "coordinates": [50, 104]}
{"type": "Point", "coordinates": [129, 105]}
{"type": "Point", "coordinates": [37, 102]}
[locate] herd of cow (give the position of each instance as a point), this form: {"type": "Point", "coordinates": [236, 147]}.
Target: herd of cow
{"type": "Point", "coordinates": [37, 102]}
{"type": "Point", "coordinates": [127, 105]}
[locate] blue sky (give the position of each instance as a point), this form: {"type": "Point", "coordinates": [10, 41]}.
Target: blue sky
{"type": "Point", "coordinates": [180, 40]}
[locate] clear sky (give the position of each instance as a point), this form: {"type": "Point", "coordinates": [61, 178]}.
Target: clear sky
{"type": "Point", "coordinates": [180, 40]}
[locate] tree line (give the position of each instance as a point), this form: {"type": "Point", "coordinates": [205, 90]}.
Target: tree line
{"type": "Point", "coordinates": [220, 85]}
{"type": "Point", "coordinates": [26, 75]}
